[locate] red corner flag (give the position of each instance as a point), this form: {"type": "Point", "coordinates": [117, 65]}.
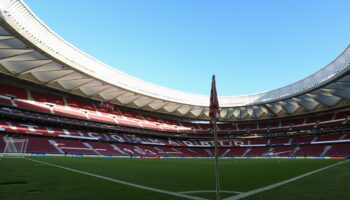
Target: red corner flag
{"type": "Point", "coordinates": [214, 104]}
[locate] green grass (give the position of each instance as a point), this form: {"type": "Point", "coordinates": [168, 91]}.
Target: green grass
{"type": "Point", "coordinates": [25, 179]}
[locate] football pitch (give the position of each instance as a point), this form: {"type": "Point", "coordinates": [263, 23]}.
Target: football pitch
{"type": "Point", "coordinates": [124, 178]}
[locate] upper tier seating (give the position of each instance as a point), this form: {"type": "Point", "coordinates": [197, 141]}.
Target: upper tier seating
{"type": "Point", "coordinates": [102, 118]}
{"type": "Point", "coordinates": [205, 126]}
{"type": "Point", "coordinates": [131, 115]}
{"type": "Point", "coordinates": [247, 126]}
{"type": "Point", "coordinates": [319, 118]}
{"type": "Point", "coordinates": [47, 98]}
{"type": "Point", "coordinates": [284, 140]}
{"type": "Point", "coordinates": [227, 127]}
{"type": "Point", "coordinates": [258, 141]}
{"type": "Point", "coordinates": [18, 93]}
{"type": "Point", "coordinates": [170, 125]}
{"type": "Point", "coordinates": [302, 139]}
{"type": "Point", "coordinates": [79, 104]}
{"type": "Point", "coordinates": [328, 137]}
{"type": "Point", "coordinates": [25, 104]}
{"type": "Point", "coordinates": [153, 123]}
{"type": "Point", "coordinates": [268, 124]}
{"type": "Point", "coordinates": [189, 127]}
{"type": "Point", "coordinates": [342, 115]}
{"type": "Point", "coordinates": [289, 122]}
{"type": "Point", "coordinates": [151, 126]}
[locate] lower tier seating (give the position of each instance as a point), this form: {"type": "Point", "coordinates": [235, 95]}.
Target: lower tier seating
{"type": "Point", "coordinates": [310, 150]}
{"type": "Point", "coordinates": [257, 152]}
{"type": "Point", "coordinates": [93, 143]}
{"type": "Point", "coordinates": [339, 150]}
{"type": "Point", "coordinates": [235, 152]}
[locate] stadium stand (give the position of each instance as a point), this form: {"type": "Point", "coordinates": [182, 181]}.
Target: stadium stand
{"type": "Point", "coordinates": [29, 109]}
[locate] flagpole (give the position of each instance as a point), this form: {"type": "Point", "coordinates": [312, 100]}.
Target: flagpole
{"type": "Point", "coordinates": [215, 107]}
{"type": "Point", "coordinates": [216, 161]}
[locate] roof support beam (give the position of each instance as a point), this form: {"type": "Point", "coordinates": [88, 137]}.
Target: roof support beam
{"type": "Point", "coordinates": [70, 90]}
{"type": "Point", "coordinates": [202, 112]}
{"type": "Point", "coordinates": [14, 53]}
{"type": "Point", "coordinates": [104, 89]}
{"type": "Point", "coordinates": [60, 77]}
{"type": "Point", "coordinates": [270, 111]}
{"type": "Point", "coordinates": [149, 102]}
{"type": "Point", "coordinates": [33, 69]}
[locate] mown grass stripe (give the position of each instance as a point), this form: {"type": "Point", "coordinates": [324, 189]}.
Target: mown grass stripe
{"type": "Point", "coordinates": [120, 181]}
{"type": "Point", "coordinates": [246, 194]}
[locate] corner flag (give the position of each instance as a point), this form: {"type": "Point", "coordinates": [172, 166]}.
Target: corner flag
{"type": "Point", "coordinates": [214, 112]}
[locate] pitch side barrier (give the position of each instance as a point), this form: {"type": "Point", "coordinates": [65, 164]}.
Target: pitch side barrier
{"type": "Point", "coordinates": [167, 157]}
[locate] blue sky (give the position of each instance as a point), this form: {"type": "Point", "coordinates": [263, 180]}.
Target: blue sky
{"type": "Point", "coordinates": [250, 45]}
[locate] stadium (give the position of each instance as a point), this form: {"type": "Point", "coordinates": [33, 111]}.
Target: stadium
{"type": "Point", "coordinates": [72, 127]}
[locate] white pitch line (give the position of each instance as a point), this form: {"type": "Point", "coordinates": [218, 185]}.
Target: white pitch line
{"type": "Point", "coordinates": [207, 191]}
{"type": "Point", "coordinates": [121, 182]}
{"type": "Point", "coordinates": [242, 195]}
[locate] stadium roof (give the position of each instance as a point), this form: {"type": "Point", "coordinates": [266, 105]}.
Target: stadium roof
{"type": "Point", "coordinates": [32, 51]}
